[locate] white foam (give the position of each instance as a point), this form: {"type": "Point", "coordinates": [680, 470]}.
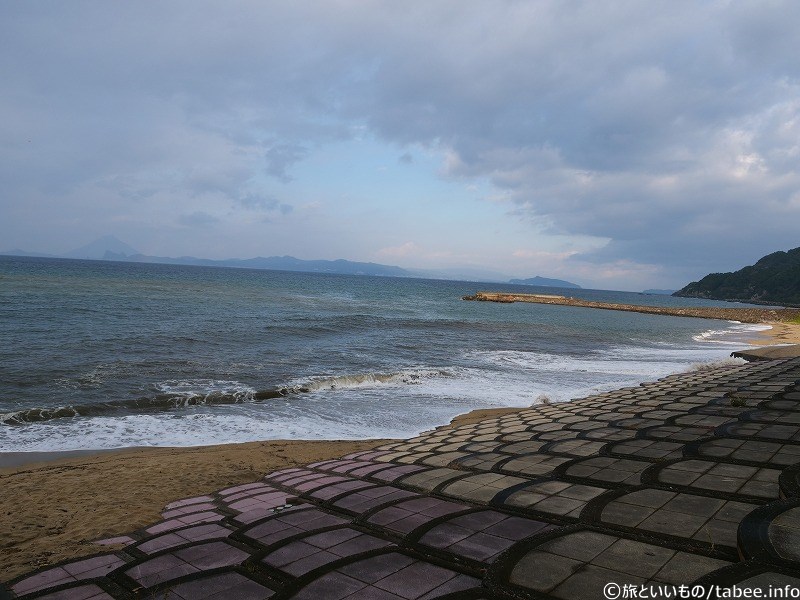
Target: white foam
{"type": "Point", "coordinates": [737, 334]}
{"type": "Point", "coordinates": [413, 376]}
{"type": "Point", "coordinates": [203, 387]}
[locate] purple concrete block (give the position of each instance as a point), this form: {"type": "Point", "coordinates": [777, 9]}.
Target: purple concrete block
{"type": "Point", "coordinates": [332, 538]}
{"type": "Point", "coordinates": [415, 580]}
{"type": "Point", "coordinates": [299, 478]}
{"type": "Point", "coordinates": [201, 517]}
{"type": "Point", "coordinates": [212, 555]}
{"type": "Point", "coordinates": [84, 592]}
{"type": "Point", "coordinates": [188, 501]}
{"type": "Point", "coordinates": [257, 513]}
{"type": "Point", "coordinates": [409, 524]}
{"type": "Point", "coordinates": [343, 466]}
{"type": "Point", "coordinates": [320, 481]}
{"type": "Point", "coordinates": [204, 532]}
{"type": "Point", "coordinates": [481, 546]}
{"type": "Point", "coordinates": [389, 515]}
{"type": "Point", "coordinates": [323, 463]}
{"type": "Point", "coordinates": [180, 522]}
{"type": "Point", "coordinates": [326, 493]}
{"type": "Point", "coordinates": [262, 489]}
{"type": "Point", "coordinates": [445, 535]}
{"type": "Point", "coordinates": [368, 469]}
{"type": "Point", "coordinates": [370, 570]}
{"type": "Point", "coordinates": [185, 510]}
{"type": "Point", "coordinates": [516, 528]}
{"type": "Point", "coordinates": [333, 586]}
{"type": "Point", "coordinates": [290, 553]}
{"type": "Point", "coordinates": [373, 593]}
{"type": "Point", "coordinates": [391, 474]}
{"type": "Point", "coordinates": [421, 504]}
{"type": "Point", "coordinates": [222, 587]}
{"type": "Point", "coordinates": [362, 543]}
{"type": "Point", "coordinates": [444, 508]}
{"type": "Point", "coordinates": [479, 520]}
{"type": "Point", "coordinates": [315, 561]}
{"type": "Point", "coordinates": [459, 583]}
{"type": "Point", "coordinates": [282, 474]}
{"type": "Point", "coordinates": [302, 478]}
{"type": "Point", "coordinates": [40, 581]}
{"type": "Point", "coordinates": [158, 570]}
{"type": "Point", "coordinates": [270, 500]}
{"type": "Point", "coordinates": [274, 538]}
{"type": "Point", "coordinates": [93, 567]}
{"type": "Point", "coordinates": [311, 519]}
{"type": "Point", "coordinates": [162, 542]}
{"type": "Point", "coordinates": [360, 503]}
{"type": "Point", "coordinates": [369, 455]}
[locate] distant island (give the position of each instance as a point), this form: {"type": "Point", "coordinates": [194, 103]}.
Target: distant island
{"type": "Point", "coordinates": [545, 282]}
{"type": "Point", "coordinates": [111, 248]}
{"type": "Point", "coordinates": [774, 279]}
{"type": "Point", "coordinates": [657, 292]}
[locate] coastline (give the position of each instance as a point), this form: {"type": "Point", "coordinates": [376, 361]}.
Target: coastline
{"type": "Point", "coordinates": [58, 503]}
{"type": "Point", "coordinates": [781, 333]}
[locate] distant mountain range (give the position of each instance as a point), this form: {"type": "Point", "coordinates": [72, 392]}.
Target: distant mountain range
{"type": "Point", "coordinates": [774, 279]}
{"type": "Point", "coordinates": [111, 248]}
{"type": "Point", "coordinates": [545, 282]}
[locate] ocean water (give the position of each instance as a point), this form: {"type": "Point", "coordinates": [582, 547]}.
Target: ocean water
{"type": "Point", "coordinates": [98, 354]}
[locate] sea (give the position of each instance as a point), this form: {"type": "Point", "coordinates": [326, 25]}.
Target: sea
{"type": "Point", "coordinates": [100, 354]}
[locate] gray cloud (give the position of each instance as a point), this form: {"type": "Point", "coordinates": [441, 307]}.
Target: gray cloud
{"type": "Point", "coordinates": [198, 219]}
{"type": "Point", "coordinates": [670, 129]}
{"type": "Point", "coordinates": [281, 157]}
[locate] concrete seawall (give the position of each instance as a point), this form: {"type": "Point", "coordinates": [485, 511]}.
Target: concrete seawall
{"type": "Point", "coordinates": [744, 315]}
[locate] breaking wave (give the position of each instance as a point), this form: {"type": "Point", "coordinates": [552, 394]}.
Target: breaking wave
{"type": "Point", "coordinates": [177, 394]}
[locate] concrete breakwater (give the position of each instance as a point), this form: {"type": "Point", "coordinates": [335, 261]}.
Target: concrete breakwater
{"type": "Point", "coordinates": [744, 315]}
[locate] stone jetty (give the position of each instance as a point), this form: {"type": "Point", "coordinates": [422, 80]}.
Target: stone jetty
{"type": "Point", "coordinates": [744, 314]}
{"type": "Point", "coordinates": [691, 480]}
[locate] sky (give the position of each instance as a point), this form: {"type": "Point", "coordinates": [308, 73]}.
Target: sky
{"type": "Point", "coordinates": [615, 144]}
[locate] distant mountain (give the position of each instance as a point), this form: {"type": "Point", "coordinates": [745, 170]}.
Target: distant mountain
{"type": "Point", "coordinates": [273, 263]}
{"type": "Point", "coordinates": [774, 279]}
{"type": "Point", "coordinates": [545, 282]}
{"type": "Point", "coordinates": [98, 249]}
{"type": "Point", "coordinates": [659, 292]}
{"type": "Point", "coordinates": [461, 274]}
{"type": "Point", "coordinates": [111, 248]}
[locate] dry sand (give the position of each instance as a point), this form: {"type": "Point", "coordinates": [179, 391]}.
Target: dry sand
{"type": "Point", "coordinates": [781, 333]}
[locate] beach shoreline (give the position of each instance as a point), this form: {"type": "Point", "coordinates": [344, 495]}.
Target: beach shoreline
{"type": "Point", "coordinates": [781, 332]}
{"type": "Point", "coordinates": [58, 503]}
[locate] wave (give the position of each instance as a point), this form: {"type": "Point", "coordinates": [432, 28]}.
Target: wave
{"type": "Point", "coordinates": [178, 394]}
{"type": "Point", "coordinates": [404, 377]}
{"type": "Point", "coordinates": [158, 403]}
{"type": "Point", "coordinates": [737, 334]}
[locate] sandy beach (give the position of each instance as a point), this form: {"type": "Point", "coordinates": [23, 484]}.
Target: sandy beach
{"type": "Point", "coordinates": [781, 333]}
{"type": "Point", "coordinates": [54, 510]}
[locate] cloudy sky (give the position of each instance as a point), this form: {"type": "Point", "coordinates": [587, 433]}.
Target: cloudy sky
{"type": "Point", "coordinates": [617, 144]}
